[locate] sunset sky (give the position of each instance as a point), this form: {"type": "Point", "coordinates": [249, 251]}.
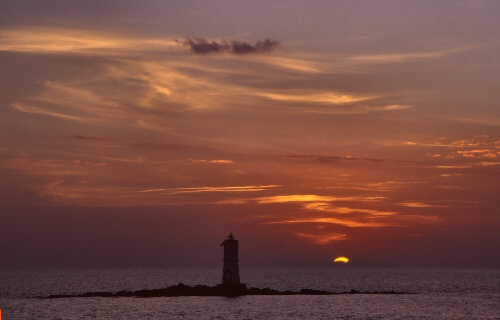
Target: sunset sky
{"type": "Point", "coordinates": [139, 134]}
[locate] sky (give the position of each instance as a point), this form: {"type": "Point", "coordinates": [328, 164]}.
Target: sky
{"type": "Point", "coordinates": [139, 134]}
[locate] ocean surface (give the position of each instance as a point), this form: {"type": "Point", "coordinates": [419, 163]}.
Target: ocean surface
{"type": "Point", "coordinates": [438, 294]}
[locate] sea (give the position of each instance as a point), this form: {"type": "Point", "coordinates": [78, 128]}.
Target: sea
{"type": "Point", "coordinates": [432, 294]}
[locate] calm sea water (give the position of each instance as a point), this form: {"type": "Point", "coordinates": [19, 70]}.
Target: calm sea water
{"type": "Point", "coordinates": [439, 294]}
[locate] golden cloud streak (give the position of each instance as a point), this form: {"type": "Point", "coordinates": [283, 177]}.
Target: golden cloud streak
{"type": "Point", "coordinates": [80, 194]}
{"type": "Point", "coordinates": [352, 109]}
{"type": "Point", "coordinates": [311, 198]}
{"type": "Point", "coordinates": [403, 57]}
{"type": "Point", "coordinates": [386, 186]}
{"type": "Point", "coordinates": [294, 198]}
{"type": "Point", "coordinates": [396, 57]}
{"type": "Point", "coordinates": [53, 40]}
{"type": "Point", "coordinates": [177, 85]}
{"type": "Point", "coordinates": [454, 167]}
{"type": "Point", "coordinates": [71, 103]}
{"type": "Point", "coordinates": [328, 97]}
{"type": "Point", "coordinates": [366, 222]}
{"type": "Point", "coordinates": [419, 205]}
{"type": "Point", "coordinates": [323, 239]}
{"type": "Point", "coordinates": [25, 108]}
{"type": "Point", "coordinates": [325, 207]}
{"type": "Point", "coordinates": [210, 189]}
{"type": "Point", "coordinates": [488, 164]}
{"type": "Point", "coordinates": [485, 153]}
{"type": "Point", "coordinates": [395, 107]}
{"type": "Point", "coordinates": [362, 217]}
{"type": "Point", "coordinates": [289, 63]}
{"type": "Point", "coordinates": [221, 161]}
{"type": "Point", "coordinates": [344, 222]}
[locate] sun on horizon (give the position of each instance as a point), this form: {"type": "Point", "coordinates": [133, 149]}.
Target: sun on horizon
{"type": "Point", "coordinates": [341, 260]}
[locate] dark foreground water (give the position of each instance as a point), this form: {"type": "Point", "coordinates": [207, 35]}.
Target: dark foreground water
{"type": "Point", "coordinates": [439, 294]}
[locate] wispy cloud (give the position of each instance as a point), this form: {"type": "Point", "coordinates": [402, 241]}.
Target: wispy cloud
{"type": "Point", "coordinates": [353, 223]}
{"type": "Point", "coordinates": [454, 167]}
{"type": "Point", "coordinates": [309, 198]}
{"type": "Point", "coordinates": [488, 163]}
{"type": "Point", "coordinates": [326, 207]}
{"type": "Point", "coordinates": [71, 102]}
{"type": "Point", "coordinates": [419, 205]}
{"type": "Point", "coordinates": [485, 153]}
{"type": "Point", "coordinates": [366, 221]}
{"type": "Point", "coordinates": [407, 56]}
{"type": "Point", "coordinates": [294, 198]}
{"type": "Point", "coordinates": [337, 107]}
{"type": "Point", "coordinates": [80, 137]}
{"type": "Point", "coordinates": [330, 97]}
{"type": "Point", "coordinates": [350, 216]}
{"type": "Point", "coordinates": [490, 121]}
{"type": "Point", "coordinates": [292, 64]}
{"type": "Point", "coordinates": [221, 161]}
{"type": "Point", "coordinates": [27, 108]}
{"type": "Point", "coordinates": [323, 239]}
{"type": "Point", "coordinates": [387, 186]}
{"type": "Point", "coordinates": [209, 189]}
{"type": "Point", "coordinates": [55, 40]}
{"type": "Point", "coordinates": [331, 159]}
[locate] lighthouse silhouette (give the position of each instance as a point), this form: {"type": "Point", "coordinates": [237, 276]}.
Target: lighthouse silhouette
{"type": "Point", "coordinates": [231, 285]}
{"type": "Point", "coordinates": [231, 270]}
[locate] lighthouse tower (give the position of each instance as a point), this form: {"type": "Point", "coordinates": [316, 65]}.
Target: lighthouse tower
{"type": "Point", "coordinates": [231, 271]}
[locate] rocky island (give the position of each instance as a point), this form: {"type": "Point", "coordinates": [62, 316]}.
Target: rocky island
{"type": "Point", "coordinates": [230, 286]}
{"type": "Point", "coordinates": [182, 290]}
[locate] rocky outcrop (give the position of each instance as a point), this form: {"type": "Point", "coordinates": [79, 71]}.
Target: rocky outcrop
{"type": "Point", "coordinates": [220, 290]}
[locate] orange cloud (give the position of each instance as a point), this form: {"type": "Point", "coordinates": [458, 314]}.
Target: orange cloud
{"type": "Point", "coordinates": [488, 164]}
{"type": "Point", "coordinates": [325, 207]}
{"type": "Point", "coordinates": [211, 161]}
{"type": "Point", "coordinates": [411, 56]}
{"type": "Point", "coordinates": [345, 222]}
{"type": "Point", "coordinates": [386, 186]}
{"type": "Point", "coordinates": [294, 198]}
{"type": "Point", "coordinates": [454, 167]}
{"type": "Point", "coordinates": [55, 40]}
{"type": "Point", "coordinates": [327, 97]}
{"type": "Point", "coordinates": [209, 189]}
{"type": "Point", "coordinates": [323, 239]}
{"type": "Point", "coordinates": [311, 198]}
{"type": "Point", "coordinates": [221, 161]}
{"type": "Point", "coordinates": [484, 153]}
{"type": "Point", "coordinates": [418, 205]}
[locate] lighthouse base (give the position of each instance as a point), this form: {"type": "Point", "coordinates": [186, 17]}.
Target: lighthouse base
{"type": "Point", "coordinates": [232, 290]}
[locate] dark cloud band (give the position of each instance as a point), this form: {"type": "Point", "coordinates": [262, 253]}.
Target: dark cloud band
{"type": "Point", "coordinates": [203, 46]}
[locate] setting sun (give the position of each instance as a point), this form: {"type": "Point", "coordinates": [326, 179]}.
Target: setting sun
{"type": "Point", "coordinates": [341, 259]}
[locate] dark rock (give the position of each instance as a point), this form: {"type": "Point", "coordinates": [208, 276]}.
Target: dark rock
{"type": "Point", "coordinates": [221, 290]}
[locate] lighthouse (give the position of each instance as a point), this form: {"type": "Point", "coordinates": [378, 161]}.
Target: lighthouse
{"type": "Point", "coordinates": [231, 270]}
